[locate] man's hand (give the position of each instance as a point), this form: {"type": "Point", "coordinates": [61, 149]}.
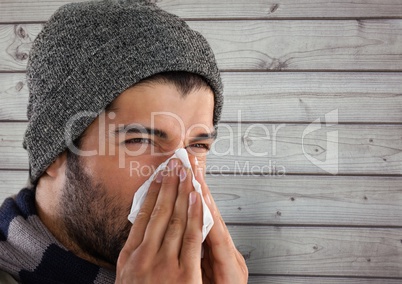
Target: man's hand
{"type": "Point", "coordinates": [222, 262]}
{"type": "Point", "coordinates": [164, 244]}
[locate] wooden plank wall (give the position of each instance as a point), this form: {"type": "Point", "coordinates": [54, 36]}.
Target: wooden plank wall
{"type": "Point", "coordinates": [306, 203]}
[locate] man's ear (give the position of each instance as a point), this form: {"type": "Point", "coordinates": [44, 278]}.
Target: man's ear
{"type": "Point", "coordinates": [58, 167]}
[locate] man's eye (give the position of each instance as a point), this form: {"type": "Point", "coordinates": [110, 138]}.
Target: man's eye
{"type": "Point", "coordinates": [139, 141]}
{"type": "Point", "coordinates": [200, 146]}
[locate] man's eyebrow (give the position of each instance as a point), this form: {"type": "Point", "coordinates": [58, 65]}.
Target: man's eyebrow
{"type": "Point", "coordinates": [140, 129]}
{"type": "Point", "coordinates": [205, 136]}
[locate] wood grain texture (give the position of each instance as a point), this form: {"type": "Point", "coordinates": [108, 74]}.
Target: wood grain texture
{"type": "Point", "coordinates": [12, 156]}
{"type": "Point", "coordinates": [11, 182]}
{"type": "Point", "coordinates": [308, 200]}
{"type": "Point", "coordinates": [274, 149]}
{"type": "Point", "coordinates": [303, 97]}
{"type": "Point", "coordinates": [320, 251]}
{"type": "Point", "coordinates": [267, 45]}
{"type": "Point", "coordinates": [305, 45]}
{"type": "Point", "coordinates": [13, 97]}
{"type": "Point", "coordinates": [15, 44]}
{"type": "Point", "coordinates": [31, 10]}
{"type": "Point", "coordinates": [269, 97]}
{"type": "Point", "coordinates": [313, 200]}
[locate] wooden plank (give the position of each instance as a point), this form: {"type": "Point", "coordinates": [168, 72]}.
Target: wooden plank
{"type": "Point", "coordinates": [272, 97]}
{"type": "Point", "coordinates": [308, 200]}
{"type": "Point", "coordinates": [31, 10]}
{"type": "Point", "coordinates": [13, 96]}
{"type": "Point", "coordinates": [267, 45]}
{"type": "Point", "coordinates": [15, 43]}
{"type": "Point", "coordinates": [305, 45]}
{"type": "Point", "coordinates": [318, 280]}
{"type": "Point", "coordinates": [312, 200]}
{"type": "Point", "coordinates": [12, 156]}
{"type": "Point", "coordinates": [302, 97]}
{"type": "Point", "coordinates": [275, 149]}
{"type": "Point", "coordinates": [308, 251]}
{"type": "Point", "coordinates": [11, 182]}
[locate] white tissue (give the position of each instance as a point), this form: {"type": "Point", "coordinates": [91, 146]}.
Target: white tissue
{"type": "Point", "coordinates": [141, 193]}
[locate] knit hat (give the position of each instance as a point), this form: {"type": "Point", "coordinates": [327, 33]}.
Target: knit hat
{"type": "Point", "coordinates": [90, 52]}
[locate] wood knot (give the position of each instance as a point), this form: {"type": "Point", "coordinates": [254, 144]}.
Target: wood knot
{"type": "Point", "coordinates": [21, 56]}
{"type": "Point", "coordinates": [21, 32]}
{"type": "Point", "coordinates": [19, 86]}
{"type": "Point", "coordinates": [278, 65]}
{"type": "Point", "coordinates": [21, 44]}
{"type": "Point", "coordinates": [273, 8]}
{"type": "Point", "coordinates": [246, 251]}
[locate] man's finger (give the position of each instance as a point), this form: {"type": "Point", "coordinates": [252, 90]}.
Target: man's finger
{"type": "Point", "coordinates": [174, 233]}
{"type": "Point", "coordinates": [139, 226]}
{"type": "Point", "coordinates": [190, 256]}
{"type": "Point", "coordinates": [219, 238]}
{"type": "Point", "coordinates": [163, 209]}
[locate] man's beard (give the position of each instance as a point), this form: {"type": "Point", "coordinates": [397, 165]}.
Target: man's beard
{"type": "Point", "coordinates": [94, 221]}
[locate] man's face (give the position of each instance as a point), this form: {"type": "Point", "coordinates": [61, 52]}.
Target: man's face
{"type": "Point", "coordinates": [145, 125]}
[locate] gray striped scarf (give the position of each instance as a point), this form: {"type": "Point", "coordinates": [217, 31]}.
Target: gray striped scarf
{"type": "Point", "coordinates": [30, 253]}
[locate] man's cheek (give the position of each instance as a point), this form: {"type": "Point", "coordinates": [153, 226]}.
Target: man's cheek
{"type": "Point", "coordinates": [140, 171]}
{"type": "Point", "coordinates": [142, 167]}
{"type": "Point", "coordinates": [124, 152]}
{"type": "Point", "coordinates": [201, 166]}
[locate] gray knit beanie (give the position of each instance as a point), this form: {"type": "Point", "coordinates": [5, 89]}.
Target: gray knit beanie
{"type": "Point", "coordinates": [88, 53]}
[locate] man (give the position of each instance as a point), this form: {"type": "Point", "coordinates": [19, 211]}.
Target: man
{"type": "Point", "coordinates": [115, 88]}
